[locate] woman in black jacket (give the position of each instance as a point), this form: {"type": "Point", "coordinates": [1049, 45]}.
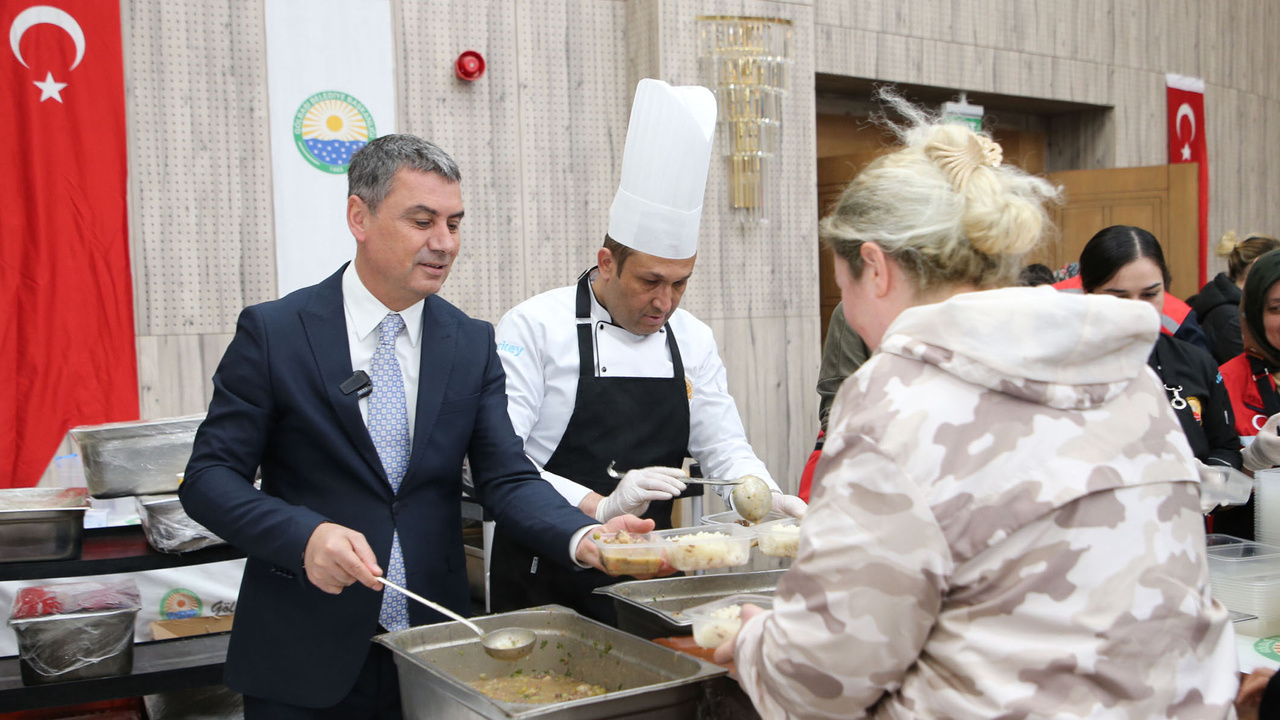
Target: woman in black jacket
{"type": "Point", "coordinates": [1127, 262]}
{"type": "Point", "coordinates": [1217, 305]}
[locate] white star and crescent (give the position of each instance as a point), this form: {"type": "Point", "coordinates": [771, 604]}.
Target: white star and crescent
{"type": "Point", "coordinates": [46, 15]}
{"type": "Point", "coordinates": [1185, 110]}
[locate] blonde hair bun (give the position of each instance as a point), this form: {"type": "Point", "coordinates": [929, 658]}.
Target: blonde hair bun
{"type": "Point", "coordinates": [1226, 244]}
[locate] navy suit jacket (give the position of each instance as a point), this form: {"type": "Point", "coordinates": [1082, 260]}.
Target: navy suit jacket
{"type": "Point", "coordinates": [276, 405]}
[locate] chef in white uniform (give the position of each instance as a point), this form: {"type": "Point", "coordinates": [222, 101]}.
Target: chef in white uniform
{"type": "Point", "coordinates": [608, 370]}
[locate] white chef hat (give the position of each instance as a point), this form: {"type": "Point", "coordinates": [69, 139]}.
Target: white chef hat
{"type": "Point", "coordinates": [664, 170]}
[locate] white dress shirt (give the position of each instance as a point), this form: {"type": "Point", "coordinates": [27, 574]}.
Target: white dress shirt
{"type": "Point", "coordinates": [538, 344]}
{"type": "Point", "coordinates": [364, 313]}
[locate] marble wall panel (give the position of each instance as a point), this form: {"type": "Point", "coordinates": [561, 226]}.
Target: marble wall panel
{"type": "Point", "coordinates": [1180, 25]}
{"type": "Point", "coordinates": [1093, 30]}
{"type": "Point", "coordinates": [643, 43]}
{"type": "Point", "coordinates": [169, 381]}
{"type": "Point", "coordinates": [964, 23]}
{"type": "Point", "coordinates": [775, 393]}
{"type": "Point", "coordinates": [845, 51]}
{"type": "Point", "coordinates": [941, 64]}
{"type": "Point", "coordinates": [199, 182]}
{"type": "Point", "coordinates": [1135, 36]}
{"type": "Point", "coordinates": [899, 58]}
{"type": "Point", "coordinates": [574, 105]}
{"type": "Point", "coordinates": [1140, 118]}
{"type": "Point", "coordinates": [478, 124]}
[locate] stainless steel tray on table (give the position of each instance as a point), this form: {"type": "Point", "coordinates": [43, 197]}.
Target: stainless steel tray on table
{"type": "Point", "coordinates": [645, 681]}
{"type": "Point", "coordinates": [136, 458]}
{"type": "Point", "coordinates": [41, 523]}
{"type": "Point", "coordinates": [655, 608]}
{"type": "Point", "coordinates": [169, 528]}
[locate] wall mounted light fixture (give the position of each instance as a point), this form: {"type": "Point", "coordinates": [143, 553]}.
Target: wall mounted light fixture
{"type": "Point", "coordinates": [744, 60]}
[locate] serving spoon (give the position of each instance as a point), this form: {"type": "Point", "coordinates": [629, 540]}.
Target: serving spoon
{"type": "Point", "coordinates": [504, 644]}
{"type": "Point", "coordinates": [752, 497]}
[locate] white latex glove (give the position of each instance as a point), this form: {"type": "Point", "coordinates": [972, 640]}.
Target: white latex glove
{"type": "Point", "coordinates": [637, 489]}
{"type": "Point", "coordinates": [1264, 451]}
{"type": "Point", "coordinates": [790, 504]}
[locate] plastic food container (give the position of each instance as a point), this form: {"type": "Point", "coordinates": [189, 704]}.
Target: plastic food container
{"type": "Point", "coordinates": [628, 553]}
{"type": "Point", "coordinates": [136, 458]}
{"type": "Point", "coordinates": [41, 523]}
{"type": "Point", "coordinates": [779, 538]}
{"type": "Point", "coordinates": [717, 621]}
{"type": "Point", "coordinates": [75, 631]}
{"type": "Point", "coordinates": [706, 546]}
{"type": "Point", "coordinates": [1242, 560]}
{"type": "Point", "coordinates": [169, 528]}
{"type": "Point", "coordinates": [1222, 486]}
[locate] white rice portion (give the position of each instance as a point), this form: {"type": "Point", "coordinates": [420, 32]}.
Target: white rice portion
{"type": "Point", "coordinates": [706, 550]}
{"type": "Point", "coordinates": [781, 541]}
{"type": "Point", "coordinates": [724, 624]}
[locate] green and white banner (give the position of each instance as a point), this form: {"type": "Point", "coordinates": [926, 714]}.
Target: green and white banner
{"type": "Point", "coordinates": [331, 85]}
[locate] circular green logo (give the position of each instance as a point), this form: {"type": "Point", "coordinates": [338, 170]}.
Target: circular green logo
{"type": "Point", "coordinates": [329, 128]}
{"type": "Point", "coordinates": [1267, 647]}
{"type": "Point", "coordinates": [180, 603]}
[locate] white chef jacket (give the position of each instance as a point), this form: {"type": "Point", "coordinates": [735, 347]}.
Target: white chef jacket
{"type": "Point", "coordinates": [538, 345]}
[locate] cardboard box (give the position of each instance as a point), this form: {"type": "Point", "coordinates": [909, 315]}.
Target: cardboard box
{"type": "Point", "coordinates": [190, 627]}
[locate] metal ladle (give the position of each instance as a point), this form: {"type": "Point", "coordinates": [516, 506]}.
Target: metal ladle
{"type": "Point", "coordinates": [752, 497]}
{"type": "Point", "coordinates": [504, 644]}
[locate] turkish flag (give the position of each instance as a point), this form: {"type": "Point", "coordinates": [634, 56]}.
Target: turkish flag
{"type": "Point", "coordinates": [1186, 144]}
{"type": "Point", "coordinates": [66, 328]}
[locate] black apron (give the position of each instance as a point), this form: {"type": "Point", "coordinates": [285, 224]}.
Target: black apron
{"type": "Point", "coordinates": [634, 421]}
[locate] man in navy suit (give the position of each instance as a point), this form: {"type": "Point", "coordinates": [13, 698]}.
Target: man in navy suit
{"type": "Point", "coordinates": [362, 478]}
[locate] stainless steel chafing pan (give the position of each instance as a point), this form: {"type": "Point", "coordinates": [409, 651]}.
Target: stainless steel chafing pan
{"type": "Point", "coordinates": [41, 523]}
{"type": "Point", "coordinates": [436, 663]}
{"type": "Point", "coordinates": [655, 608]}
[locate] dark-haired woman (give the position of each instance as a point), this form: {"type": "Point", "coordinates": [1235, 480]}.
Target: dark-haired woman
{"type": "Point", "coordinates": [1127, 262]}
{"type": "Point", "coordinates": [1249, 377]}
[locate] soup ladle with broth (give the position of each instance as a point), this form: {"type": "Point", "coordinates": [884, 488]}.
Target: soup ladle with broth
{"type": "Point", "coordinates": [504, 644]}
{"type": "Point", "coordinates": [752, 497]}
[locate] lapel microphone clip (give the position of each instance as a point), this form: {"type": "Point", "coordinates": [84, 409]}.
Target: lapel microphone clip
{"type": "Point", "coordinates": [359, 383]}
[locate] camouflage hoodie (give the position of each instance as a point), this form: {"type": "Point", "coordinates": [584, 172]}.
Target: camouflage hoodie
{"type": "Point", "coordinates": [1005, 525]}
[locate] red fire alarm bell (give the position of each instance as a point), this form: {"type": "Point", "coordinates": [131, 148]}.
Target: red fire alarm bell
{"type": "Point", "coordinates": [469, 66]}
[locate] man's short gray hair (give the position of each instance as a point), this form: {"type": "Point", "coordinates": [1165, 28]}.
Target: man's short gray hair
{"type": "Point", "coordinates": [374, 165]}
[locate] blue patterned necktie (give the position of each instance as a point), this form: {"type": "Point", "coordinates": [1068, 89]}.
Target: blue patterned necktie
{"type": "Point", "coordinates": [389, 428]}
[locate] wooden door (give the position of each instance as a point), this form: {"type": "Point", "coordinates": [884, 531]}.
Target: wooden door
{"type": "Point", "coordinates": [1161, 199]}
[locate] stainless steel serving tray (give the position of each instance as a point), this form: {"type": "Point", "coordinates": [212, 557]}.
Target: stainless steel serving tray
{"type": "Point", "coordinates": [38, 524]}
{"type": "Point", "coordinates": [169, 528]}
{"type": "Point", "coordinates": [655, 608]}
{"type": "Point", "coordinates": [75, 646]}
{"type": "Point", "coordinates": [436, 663]}
{"type": "Point", "coordinates": [136, 458]}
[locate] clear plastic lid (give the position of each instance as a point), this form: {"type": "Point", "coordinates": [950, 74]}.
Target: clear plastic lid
{"type": "Point", "coordinates": [75, 597]}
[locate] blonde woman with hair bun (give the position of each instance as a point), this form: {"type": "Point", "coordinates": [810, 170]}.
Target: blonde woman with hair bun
{"type": "Point", "coordinates": [1217, 305]}
{"type": "Point", "coordinates": [1006, 518]}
